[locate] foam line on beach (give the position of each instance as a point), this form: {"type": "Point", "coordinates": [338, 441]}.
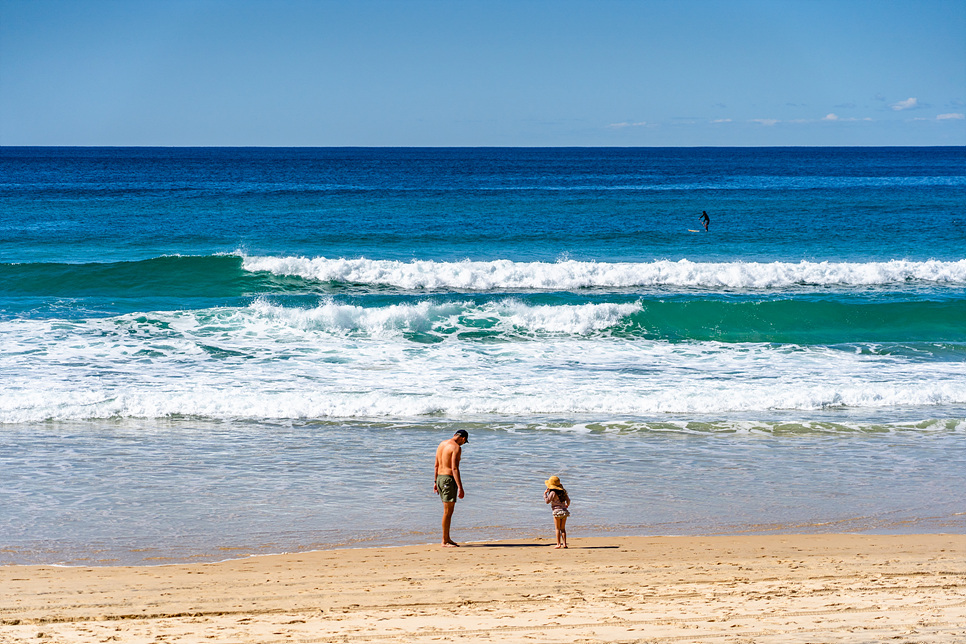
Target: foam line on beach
{"type": "Point", "coordinates": [254, 401]}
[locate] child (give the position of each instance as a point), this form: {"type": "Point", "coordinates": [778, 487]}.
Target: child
{"type": "Point", "coordinates": [559, 501]}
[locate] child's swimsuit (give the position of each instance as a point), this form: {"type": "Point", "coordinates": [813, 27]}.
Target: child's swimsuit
{"type": "Point", "coordinates": [556, 505]}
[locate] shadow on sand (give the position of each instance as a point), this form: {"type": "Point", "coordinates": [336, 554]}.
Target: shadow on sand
{"type": "Point", "coordinates": [534, 545]}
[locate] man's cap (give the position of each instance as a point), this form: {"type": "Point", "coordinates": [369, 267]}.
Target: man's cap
{"type": "Point", "coordinates": [463, 433]}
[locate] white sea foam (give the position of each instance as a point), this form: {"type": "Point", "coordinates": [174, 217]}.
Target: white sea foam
{"type": "Point", "coordinates": [260, 403]}
{"type": "Point", "coordinates": [506, 315]}
{"type": "Point", "coordinates": [568, 275]}
{"type": "Point", "coordinates": [340, 361]}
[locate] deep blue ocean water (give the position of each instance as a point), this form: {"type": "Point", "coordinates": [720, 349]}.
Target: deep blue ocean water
{"type": "Point", "coordinates": [210, 352]}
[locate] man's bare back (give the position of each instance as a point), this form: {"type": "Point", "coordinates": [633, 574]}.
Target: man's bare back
{"type": "Point", "coordinates": [448, 457]}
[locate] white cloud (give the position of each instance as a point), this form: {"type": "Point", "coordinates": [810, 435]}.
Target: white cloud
{"type": "Point", "coordinates": [908, 104]}
{"type": "Point", "coordinates": [941, 117]}
{"type": "Point", "coordinates": [721, 121]}
{"type": "Point", "coordinates": [767, 122]}
{"type": "Point", "coordinates": [831, 116]}
{"type": "Point", "coordinates": [618, 126]}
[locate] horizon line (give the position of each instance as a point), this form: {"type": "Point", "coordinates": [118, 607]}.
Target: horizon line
{"type": "Point", "coordinates": [473, 147]}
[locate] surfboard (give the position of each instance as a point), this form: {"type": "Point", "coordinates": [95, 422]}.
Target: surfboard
{"type": "Point", "coordinates": [693, 231]}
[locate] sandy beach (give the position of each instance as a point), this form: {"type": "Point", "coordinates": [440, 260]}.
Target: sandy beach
{"type": "Point", "coordinates": [777, 588]}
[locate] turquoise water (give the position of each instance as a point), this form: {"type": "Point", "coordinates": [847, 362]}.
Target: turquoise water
{"type": "Point", "coordinates": [209, 352]}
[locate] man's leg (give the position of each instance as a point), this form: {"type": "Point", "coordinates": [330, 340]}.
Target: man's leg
{"type": "Point", "coordinates": [448, 508]}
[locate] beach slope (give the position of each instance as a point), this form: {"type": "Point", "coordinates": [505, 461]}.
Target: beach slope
{"type": "Point", "coordinates": [777, 588]}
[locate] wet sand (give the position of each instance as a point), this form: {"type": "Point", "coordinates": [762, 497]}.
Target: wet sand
{"type": "Point", "coordinates": [767, 589]}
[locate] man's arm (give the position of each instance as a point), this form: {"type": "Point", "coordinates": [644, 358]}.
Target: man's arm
{"type": "Point", "coordinates": [457, 453]}
{"type": "Point", "coordinates": [436, 472]}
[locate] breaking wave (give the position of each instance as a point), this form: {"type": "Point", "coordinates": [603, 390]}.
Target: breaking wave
{"type": "Point", "coordinates": [570, 275]}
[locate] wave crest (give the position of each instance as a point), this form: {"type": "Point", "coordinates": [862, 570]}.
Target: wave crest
{"type": "Point", "coordinates": [571, 275]}
{"type": "Point", "coordinates": [508, 315]}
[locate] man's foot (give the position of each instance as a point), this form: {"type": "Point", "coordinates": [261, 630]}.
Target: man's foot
{"type": "Point", "coordinates": [558, 546]}
{"type": "Point", "coordinates": [450, 544]}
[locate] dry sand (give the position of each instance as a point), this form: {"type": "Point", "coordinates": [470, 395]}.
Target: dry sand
{"type": "Point", "coordinates": [813, 588]}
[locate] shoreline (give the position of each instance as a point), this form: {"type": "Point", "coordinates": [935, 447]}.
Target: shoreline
{"type": "Point", "coordinates": [749, 588]}
{"type": "Point", "coordinates": [527, 536]}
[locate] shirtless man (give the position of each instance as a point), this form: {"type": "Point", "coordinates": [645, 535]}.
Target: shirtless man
{"type": "Point", "coordinates": [447, 484]}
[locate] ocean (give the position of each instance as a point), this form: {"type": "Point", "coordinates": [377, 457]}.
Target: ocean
{"type": "Point", "coordinates": [208, 353]}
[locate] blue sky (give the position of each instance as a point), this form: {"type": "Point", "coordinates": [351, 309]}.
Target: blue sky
{"type": "Point", "coordinates": [482, 73]}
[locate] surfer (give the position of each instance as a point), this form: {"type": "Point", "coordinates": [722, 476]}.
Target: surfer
{"type": "Point", "coordinates": [705, 220]}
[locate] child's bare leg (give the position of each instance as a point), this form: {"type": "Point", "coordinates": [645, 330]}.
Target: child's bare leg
{"type": "Point", "coordinates": [562, 531]}
{"type": "Point", "coordinates": [558, 528]}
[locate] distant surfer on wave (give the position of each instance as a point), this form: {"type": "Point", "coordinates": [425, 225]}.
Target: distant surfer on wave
{"type": "Point", "coordinates": [705, 220]}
